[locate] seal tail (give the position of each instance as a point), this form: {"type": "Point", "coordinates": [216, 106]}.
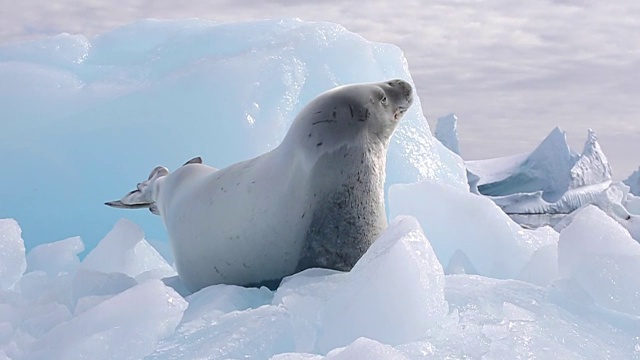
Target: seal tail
{"type": "Point", "coordinates": [142, 196]}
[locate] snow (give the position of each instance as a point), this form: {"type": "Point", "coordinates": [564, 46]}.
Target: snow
{"type": "Point", "coordinates": [451, 277]}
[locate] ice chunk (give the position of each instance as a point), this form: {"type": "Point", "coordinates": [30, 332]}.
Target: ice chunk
{"type": "Point", "coordinates": [447, 132]}
{"type": "Point", "coordinates": [602, 257]}
{"type": "Point", "coordinates": [12, 258]}
{"type": "Point", "coordinates": [88, 282]}
{"type": "Point", "coordinates": [633, 181]}
{"type": "Point", "coordinates": [57, 258]}
{"type": "Point", "coordinates": [220, 299]}
{"type": "Point", "coordinates": [592, 167]}
{"type": "Point", "coordinates": [460, 264]}
{"type": "Point", "coordinates": [270, 69]}
{"type": "Point", "coordinates": [397, 281]}
{"type": "Point", "coordinates": [509, 319]}
{"type": "Point", "coordinates": [296, 356]}
{"type": "Point", "coordinates": [124, 250]}
{"type": "Point", "coordinates": [39, 319]}
{"type": "Point", "coordinates": [458, 220]}
{"type": "Point", "coordinates": [126, 326]}
{"type": "Point", "coordinates": [632, 204]}
{"type": "Point", "coordinates": [305, 294]}
{"type": "Point", "coordinates": [254, 333]}
{"type": "Point", "coordinates": [542, 268]}
{"type": "Point", "coordinates": [363, 348]}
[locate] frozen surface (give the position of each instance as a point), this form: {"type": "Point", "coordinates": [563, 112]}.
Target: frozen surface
{"type": "Point", "coordinates": [100, 113]}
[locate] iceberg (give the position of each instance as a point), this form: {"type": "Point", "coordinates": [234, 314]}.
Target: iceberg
{"type": "Point", "coordinates": [160, 92]}
{"type": "Point", "coordinates": [543, 186]}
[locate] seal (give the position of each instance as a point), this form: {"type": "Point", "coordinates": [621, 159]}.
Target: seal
{"type": "Point", "coordinates": [316, 200]}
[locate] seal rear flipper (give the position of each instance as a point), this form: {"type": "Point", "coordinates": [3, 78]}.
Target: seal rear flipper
{"type": "Point", "coordinates": [120, 205]}
{"type": "Point", "coordinates": [142, 197]}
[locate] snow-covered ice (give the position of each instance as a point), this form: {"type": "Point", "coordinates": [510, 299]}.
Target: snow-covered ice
{"type": "Point", "coordinates": [452, 277]}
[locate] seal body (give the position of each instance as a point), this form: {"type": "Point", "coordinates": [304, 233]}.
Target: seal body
{"type": "Point", "coordinates": [317, 200]}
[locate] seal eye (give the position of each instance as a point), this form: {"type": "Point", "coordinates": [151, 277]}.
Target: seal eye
{"type": "Point", "coordinates": [383, 100]}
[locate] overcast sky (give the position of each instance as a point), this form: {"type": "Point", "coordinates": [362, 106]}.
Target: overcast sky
{"type": "Point", "coordinates": [510, 70]}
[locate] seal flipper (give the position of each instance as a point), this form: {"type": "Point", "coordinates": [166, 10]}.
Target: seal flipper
{"type": "Point", "coordinates": [142, 197]}
{"type": "Point", "coordinates": [195, 160]}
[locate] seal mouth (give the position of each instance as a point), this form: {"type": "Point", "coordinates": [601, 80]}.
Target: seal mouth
{"type": "Point", "coordinates": [399, 113]}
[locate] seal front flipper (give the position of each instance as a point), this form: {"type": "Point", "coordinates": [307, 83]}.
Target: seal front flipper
{"type": "Point", "coordinates": [142, 197]}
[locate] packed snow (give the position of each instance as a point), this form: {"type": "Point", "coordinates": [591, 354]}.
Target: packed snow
{"type": "Point", "coordinates": [452, 276]}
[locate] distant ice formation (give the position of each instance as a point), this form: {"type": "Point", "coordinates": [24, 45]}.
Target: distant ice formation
{"type": "Point", "coordinates": [633, 181]}
{"type": "Point", "coordinates": [447, 132]}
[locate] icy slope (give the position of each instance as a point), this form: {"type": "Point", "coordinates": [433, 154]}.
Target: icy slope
{"type": "Point", "coordinates": [86, 118]}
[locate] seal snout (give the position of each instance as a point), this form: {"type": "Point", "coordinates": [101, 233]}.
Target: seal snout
{"type": "Point", "coordinates": [406, 96]}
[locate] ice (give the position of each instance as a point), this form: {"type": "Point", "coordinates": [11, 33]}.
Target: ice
{"type": "Point", "coordinates": [633, 181]}
{"type": "Point", "coordinates": [220, 299]}
{"type": "Point", "coordinates": [124, 250]}
{"type": "Point", "coordinates": [397, 281]}
{"type": "Point", "coordinates": [454, 220]}
{"type": "Point", "coordinates": [364, 348]}
{"type": "Point", "coordinates": [254, 333]}
{"type": "Point", "coordinates": [447, 132]}
{"type": "Point", "coordinates": [550, 180]}
{"type": "Point", "coordinates": [12, 258]}
{"type": "Point", "coordinates": [592, 167]}
{"type": "Point", "coordinates": [56, 258]}
{"type": "Point", "coordinates": [600, 255]}
{"type": "Point", "coordinates": [105, 110]}
{"type": "Point", "coordinates": [545, 169]}
{"type": "Point", "coordinates": [127, 326]}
